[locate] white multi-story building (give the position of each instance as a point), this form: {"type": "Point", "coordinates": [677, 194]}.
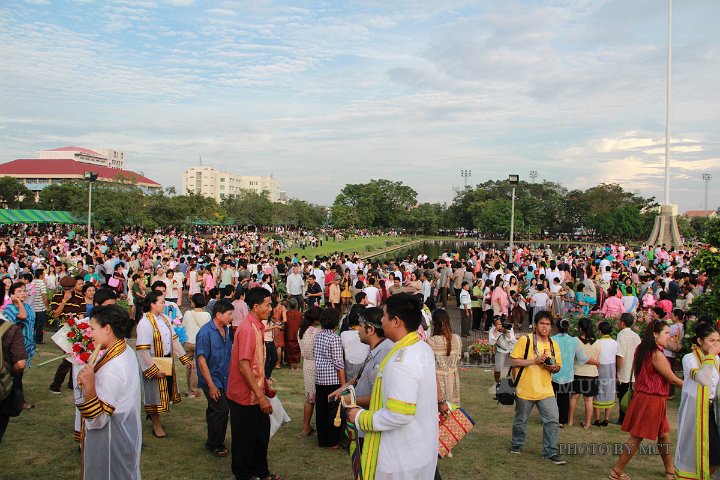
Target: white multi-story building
{"type": "Point", "coordinates": [210, 182]}
{"type": "Point", "coordinates": [103, 157]}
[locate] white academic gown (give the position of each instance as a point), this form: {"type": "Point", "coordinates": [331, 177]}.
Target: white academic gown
{"type": "Point", "coordinates": [409, 443]}
{"type": "Point", "coordinates": [112, 431]}
{"type": "Point", "coordinates": [700, 383]}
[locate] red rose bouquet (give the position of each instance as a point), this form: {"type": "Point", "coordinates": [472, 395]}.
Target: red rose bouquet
{"type": "Point", "coordinates": [74, 339]}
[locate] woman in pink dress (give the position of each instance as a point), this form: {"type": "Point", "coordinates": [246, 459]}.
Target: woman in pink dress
{"type": "Point", "coordinates": [209, 279]}
{"type": "Point", "coordinates": [613, 306]}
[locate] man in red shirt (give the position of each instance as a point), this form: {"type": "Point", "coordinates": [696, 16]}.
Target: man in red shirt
{"type": "Point", "coordinates": [248, 392]}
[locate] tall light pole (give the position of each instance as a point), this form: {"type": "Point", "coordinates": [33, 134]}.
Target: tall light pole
{"type": "Point", "coordinates": [465, 174]}
{"type": "Point", "coordinates": [533, 175]}
{"type": "Point", "coordinates": [514, 180]}
{"type": "Point", "coordinates": [90, 177]}
{"type": "Point", "coordinates": [706, 178]}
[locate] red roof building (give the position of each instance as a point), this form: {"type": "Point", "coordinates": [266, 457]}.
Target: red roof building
{"type": "Point", "coordinates": [700, 213]}
{"type": "Point", "coordinates": [38, 173]}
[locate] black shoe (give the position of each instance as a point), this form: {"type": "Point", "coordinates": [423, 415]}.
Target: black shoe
{"type": "Point", "coordinates": [604, 423]}
{"type": "Point", "coordinates": [55, 390]}
{"type": "Point", "coordinates": [556, 459]}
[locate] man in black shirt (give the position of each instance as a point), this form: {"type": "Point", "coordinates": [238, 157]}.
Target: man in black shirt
{"type": "Point", "coordinates": [313, 292]}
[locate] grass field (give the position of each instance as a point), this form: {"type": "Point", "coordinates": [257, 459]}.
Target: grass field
{"type": "Point", "coordinates": [355, 244]}
{"type": "Point", "coordinates": [39, 444]}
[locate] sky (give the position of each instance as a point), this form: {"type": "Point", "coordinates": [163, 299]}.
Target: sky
{"type": "Point", "coordinates": [324, 93]}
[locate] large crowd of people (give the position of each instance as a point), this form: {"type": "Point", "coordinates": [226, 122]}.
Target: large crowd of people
{"type": "Point", "coordinates": [234, 305]}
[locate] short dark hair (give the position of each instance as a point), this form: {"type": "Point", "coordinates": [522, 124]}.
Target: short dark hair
{"type": "Point", "coordinates": [39, 272]}
{"type": "Point", "coordinates": [222, 306]}
{"type": "Point", "coordinates": [198, 299]}
{"type": "Point", "coordinates": [360, 296]}
{"type": "Point", "coordinates": [627, 319]}
{"type": "Point", "coordinates": [330, 318]}
{"type": "Point", "coordinates": [158, 284]}
{"type": "Point", "coordinates": [102, 295]}
{"type": "Point", "coordinates": [407, 308]}
{"type": "Point", "coordinates": [605, 328]}
{"type": "Point", "coordinates": [542, 315]}
{"type": "Point", "coordinates": [256, 296]}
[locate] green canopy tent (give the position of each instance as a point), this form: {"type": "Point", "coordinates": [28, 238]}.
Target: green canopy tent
{"type": "Point", "coordinates": [36, 216]}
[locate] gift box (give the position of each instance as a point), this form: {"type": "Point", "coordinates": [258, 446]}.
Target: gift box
{"type": "Point", "coordinates": [453, 428]}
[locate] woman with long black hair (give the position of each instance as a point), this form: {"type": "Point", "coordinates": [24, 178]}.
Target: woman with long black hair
{"type": "Point", "coordinates": [646, 417]}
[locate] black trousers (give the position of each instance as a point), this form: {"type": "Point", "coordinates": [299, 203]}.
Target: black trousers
{"type": "Point", "coordinates": [63, 369]}
{"type": "Point", "coordinates": [477, 315]}
{"type": "Point", "coordinates": [622, 389]}
{"type": "Point", "coordinates": [457, 295]}
{"type": "Point", "coordinates": [216, 416]}
{"type": "Point", "coordinates": [299, 300]}
{"type": "Point", "coordinates": [327, 433]}
{"type": "Point", "coordinates": [271, 358]}
{"type": "Point", "coordinates": [40, 319]}
{"type": "Point", "coordinates": [465, 323]}
{"type": "Point", "coordinates": [562, 396]}
{"type": "Point", "coordinates": [488, 319]}
{"type": "Point", "coordinates": [250, 429]}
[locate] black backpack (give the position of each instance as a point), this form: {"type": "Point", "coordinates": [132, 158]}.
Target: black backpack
{"type": "Point", "coordinates": [505, 390]}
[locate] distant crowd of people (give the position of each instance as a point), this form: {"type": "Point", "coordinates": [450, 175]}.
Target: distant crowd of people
{"type": "Point", "coordinates": [232, 306]}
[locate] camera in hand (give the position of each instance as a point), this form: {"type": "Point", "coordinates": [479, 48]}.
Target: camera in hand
{"type": "Point", "coordinates": [549, 361]}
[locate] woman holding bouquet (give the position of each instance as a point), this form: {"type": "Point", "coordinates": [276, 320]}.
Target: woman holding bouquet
{"type": "Point", "coordinates": [155, 338]}
{"type": "Point", "coordinates": [111, 436]}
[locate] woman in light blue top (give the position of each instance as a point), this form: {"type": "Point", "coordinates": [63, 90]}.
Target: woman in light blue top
{"type": "Point", "coordinates": [571, 353]}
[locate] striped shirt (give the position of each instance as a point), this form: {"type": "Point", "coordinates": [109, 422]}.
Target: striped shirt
{"type": "Point", "coordinates": [328, 353]}
{"type": "Point", "coordinates": [40, 290]}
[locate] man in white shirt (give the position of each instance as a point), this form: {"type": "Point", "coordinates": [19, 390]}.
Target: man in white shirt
{"type": "Point", "coordinates": [295, 285]}
{"type": "Point", "coordinates": [401, 424]}
{"type": "Point", "coordinates": [540, 300]}
{"type": "Point", "coordinates": [627, 343]}
{"type": "Point", "coordinates": [372, 293]}
{"type": "Point", "coordinates": [465, 310]}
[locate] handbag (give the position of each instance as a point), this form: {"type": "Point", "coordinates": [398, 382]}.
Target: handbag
{"type": "Point", "coordinates": [506, 388]}
{"type": "Point", "coordinates": [165, 364]}
{"type": "Point", "coordinates": [114, 282]}
{"type": "Point", "coordinates": [453, 428]}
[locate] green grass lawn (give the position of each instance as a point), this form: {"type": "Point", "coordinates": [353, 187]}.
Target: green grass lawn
{"type": "Point", "coordinates": [355, 244]}
{"type": "Point", "coordinates": [39, 444]}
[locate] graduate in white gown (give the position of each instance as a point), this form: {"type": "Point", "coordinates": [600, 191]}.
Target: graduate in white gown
{"type": "Point", "coordinates": [401, 425]}
{"type": "Point", "coordinates": [155, 338]}
{"type": "Point", "coordinates": [697, 455]}
{"type": "Point", "coordinates": [111, 436]}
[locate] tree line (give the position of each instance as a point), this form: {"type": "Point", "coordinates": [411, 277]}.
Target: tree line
{"type": "Point", "coordinates": [542, 209]}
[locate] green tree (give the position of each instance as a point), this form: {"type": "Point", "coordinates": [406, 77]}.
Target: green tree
{"type": "Point", "coordinates": [62, 196]}
{"type": "Point", "coordinates": [426, 218]}
{"type": "Point", "coordinates": [379, 203]}
{"type": "Point", "coordinates": [14, 194]}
